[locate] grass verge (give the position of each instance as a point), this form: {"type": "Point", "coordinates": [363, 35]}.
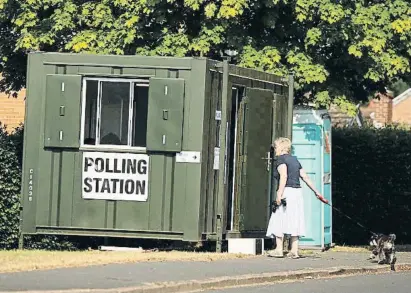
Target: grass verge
{"type": "Point", "coordinates": [338, 248]}
{"type": "Point", "coordinates": [29, 260]}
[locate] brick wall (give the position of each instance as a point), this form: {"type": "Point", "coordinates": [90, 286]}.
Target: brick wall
{"type": "Point", "coordinates": [379, 110]}
{"type": "Point", "coordinates": [12, 110]}
{"type": "Point", "coordinates": [383, 108]}
{"type": "Point", "coordinates": [402, 111]}
{"type": "Point", "coordinates": [389, 110]}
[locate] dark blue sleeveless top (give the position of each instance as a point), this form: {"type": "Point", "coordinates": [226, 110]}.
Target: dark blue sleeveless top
{"type": "Point", "coordinates": [293, 170]}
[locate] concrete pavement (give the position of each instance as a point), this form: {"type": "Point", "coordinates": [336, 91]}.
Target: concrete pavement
{"type": "Point", "coordinates": [381, 283]}
{"type": "Point", "coordinates": [148, 273]}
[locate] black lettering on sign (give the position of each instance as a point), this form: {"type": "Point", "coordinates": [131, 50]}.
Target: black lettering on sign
{"type": "Point", "coordinates": [142, 167]}
{"type": "Point", "coordinates": [114, 165]}
{"type": "Point", "coordinates": [131, 166]}
{"type": "Point", "coordinates": [129, 186]}
{"type": "Point", "coordinates": [108, 166]}
{"type": "Point", "coordinates": [106, 186]}
{"type": "Point", "coordinates": [116, 169]}
{"type": "Point", "coordinates": [123, 165]}
{"type": "Point", "coordinates": [121, 186]}
{"type": "Point", "coordinates": [88, 163]}
{"type": "Point", "coordinates": [115, 181]}
{"type": "Point", "coordinates": [99, 165]}
{"type": "Point", "coordinates": [87, 182]}
{"type": "Point", "coordinates": [97, 181]}
{"type": "Point", "coordinates": [140, 187]}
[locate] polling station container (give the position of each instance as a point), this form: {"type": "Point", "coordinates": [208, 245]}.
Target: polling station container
{"type": "Point", "coordinates": [312, 145]}
{"type": "Point", "coordinates": [149, 147]}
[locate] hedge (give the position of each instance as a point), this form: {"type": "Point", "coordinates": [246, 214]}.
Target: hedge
{"type": "Point", "coordinates": [10, 176]}
{"type": "Point", "coordinates": [11, 151]}
{"type": "Point", "coordinates": [371, 182]}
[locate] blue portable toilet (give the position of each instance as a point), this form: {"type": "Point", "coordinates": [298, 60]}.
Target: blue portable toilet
{"type": "Point", "coordinates": [311, 139]}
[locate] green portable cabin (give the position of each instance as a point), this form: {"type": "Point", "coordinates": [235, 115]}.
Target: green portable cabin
{"type": "Point", "coordinates": [149, 147]}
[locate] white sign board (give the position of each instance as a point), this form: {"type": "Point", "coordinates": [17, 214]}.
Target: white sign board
{"type": "Point", "coordinates": [216, 164]}
{"type": "Point", "coordinates": [115, 176]}
{"type": "Point", "coordinates": [188, 157]}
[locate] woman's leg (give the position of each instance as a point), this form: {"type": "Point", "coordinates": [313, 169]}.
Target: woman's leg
{"type": "Point", "coordinates": [295, 219]}
{"type": "Point", "coordinates": [278, 251]}
{"type": "Point", "coordinates": [279, 243]}
{"type": "Point", "coordinates": [294, 246]}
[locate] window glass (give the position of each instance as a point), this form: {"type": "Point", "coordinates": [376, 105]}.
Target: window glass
{"type": "Point", "coordinates": [90, 112]}
{"type": "Point", "coordinates": [108, 106]}
{"type": "Point", "coordinates": [140, 108]}
{"type": "Point", "coordinates": [115, 105]}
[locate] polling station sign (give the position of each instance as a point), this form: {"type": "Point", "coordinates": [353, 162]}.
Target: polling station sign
{"type": "Point", "coordinates": [115, 176]}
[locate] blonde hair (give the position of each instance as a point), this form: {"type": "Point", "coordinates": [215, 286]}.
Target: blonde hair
{"type": "Point", "coordinates": [282, 146]}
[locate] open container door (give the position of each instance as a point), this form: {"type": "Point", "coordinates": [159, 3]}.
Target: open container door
{"type": "Point", "coordinates": [254, 162]}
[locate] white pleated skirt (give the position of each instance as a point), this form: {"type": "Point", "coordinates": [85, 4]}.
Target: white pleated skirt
{"type": "Point", "coordinates": [290, 219]}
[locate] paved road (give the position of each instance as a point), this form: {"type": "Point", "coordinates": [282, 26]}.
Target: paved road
{"type": "Point", "coordinates": [387, 283]}
{"type": "Point", "coordinates": [135, 274]}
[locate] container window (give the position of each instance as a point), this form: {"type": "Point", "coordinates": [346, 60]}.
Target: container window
{"type": "Point", "coordinates": [140, 116]}
{"type": "Point", "coordinates": [115, 112]}
{"type": "Point", "coordinates": [91, 112]}
{"type": "Point", "coordinates": [115, 105]}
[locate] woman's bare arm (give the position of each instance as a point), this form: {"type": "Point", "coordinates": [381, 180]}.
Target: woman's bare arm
{"type": "Point", "coordinates": [282, 170]}
{"type": "Point", "coordinates": [307, 180]}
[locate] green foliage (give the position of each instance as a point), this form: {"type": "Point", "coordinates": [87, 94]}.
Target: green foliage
{"type": "Point", "coordinates": [399, 87]}
{"type": "Point", "coordinates": [50, 242]}
{"type": "Point", "coordinates": [268, 59]}
{"type": "Point", "coordinates": [10, 171]}
{"type": "Point", "coordinates": [11, 151]}
{"type": "Point", "coordinates": [371, 171]}
{"type": "Point", "coordinates": [346, 48]}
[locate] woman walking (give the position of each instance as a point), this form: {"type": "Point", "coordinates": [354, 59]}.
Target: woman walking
{"type": "Point", "coordinates": [288, 219]}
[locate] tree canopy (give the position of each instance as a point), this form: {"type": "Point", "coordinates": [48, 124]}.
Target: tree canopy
{"type": "Point", "coordinates": [339, 50]}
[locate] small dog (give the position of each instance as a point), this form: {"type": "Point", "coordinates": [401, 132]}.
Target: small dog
{"type": "Point", "coordinates": [384, 246]}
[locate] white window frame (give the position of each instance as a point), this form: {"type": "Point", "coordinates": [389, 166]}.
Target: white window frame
{"type": "Point", "coordinates": [97, 146]}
